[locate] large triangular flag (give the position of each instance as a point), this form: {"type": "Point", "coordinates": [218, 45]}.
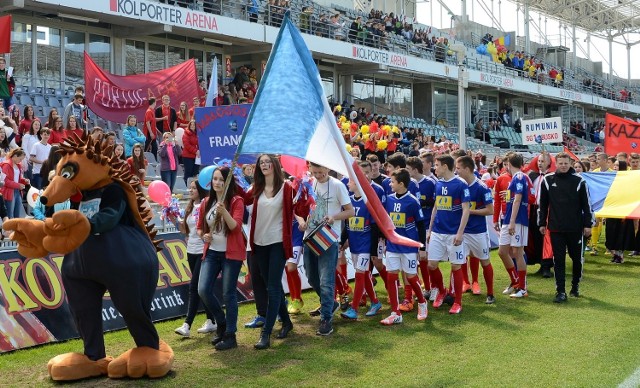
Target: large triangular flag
{"type": "Point", "coordinates": [308, 131]}
{"type": "Point", "coordinates": [212, 93]}
{"type": "Point", "coordinates": [5, 34]}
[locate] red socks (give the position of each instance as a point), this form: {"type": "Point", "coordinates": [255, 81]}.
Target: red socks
{"type": "Point", "coordinates": [408, 292]}
{"type": "Point", "coordinates": [474, 263]}
{"type": "Point", "coordinates": [465, 273]}
{"type": "Point", "coordinates": [457, 285]}
{"type": "Point", "coordinates": [522, 279]}
{"type": "Point", "coordinates": [436, 280]}
{"type": "Point", "coordinates": [295, 284]}
{"type": "Point", "coordinates": [392, 290]}
{"type": "Point", "coordinates": [359, 290]}
{"type": "Point", "coordinates": [424, 271]}
{"type": "Point", "coordinates": [414, 283]}
{"type": "Point", "coordinates": [487, 271]}
{"type": "Point", "coordinates": [384, 275]}
{"type": "Point", "coordinates": [368, 286]}
{"type": "Point", "coordinates": [513, 275]}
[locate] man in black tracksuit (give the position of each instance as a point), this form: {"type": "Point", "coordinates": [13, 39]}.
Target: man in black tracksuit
{"type": "Point", "coordinates": [565, 198]}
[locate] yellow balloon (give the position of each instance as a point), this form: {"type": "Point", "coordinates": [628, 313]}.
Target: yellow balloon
{"type": "Point", "coordinates": [382, 145]}
{"type": "Point", "coordinates": [364, 129]}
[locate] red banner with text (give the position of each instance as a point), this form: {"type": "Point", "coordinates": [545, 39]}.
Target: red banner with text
{"type": "Point", "coordinates": [621, 135]}
{"type": "Point", "coordinates": [114, 97]}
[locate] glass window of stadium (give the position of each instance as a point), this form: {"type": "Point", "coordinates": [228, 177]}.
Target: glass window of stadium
{"type": "Point", "coordinates": [445, 106]}
{"type": "Point", "coordinates": [48, 55]}
{"type": "Point", "coordinates": [327, 83]}
{"type": "Point", "coordinates": [197, 55]}
{"type": "Point", "coordinates": [175, 56]}
{"type": "Point", "coordinates": [74, 56]}
{"type": "Point", "coordinates": [21, 53]}
{"type": "Point", "coordinates": [156, 57]}
{"type": "Point", "coordinates": [134, 54]}
{"type": "Point", "coordinates": [100, 50]}
{"type": "Point", "coordinates": [383, 96]}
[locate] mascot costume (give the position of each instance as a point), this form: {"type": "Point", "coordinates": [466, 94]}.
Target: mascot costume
{"type": "Point", "coordinates": [108, 247]}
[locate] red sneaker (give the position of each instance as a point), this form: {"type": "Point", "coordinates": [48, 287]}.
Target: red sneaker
{"type": "Point", "coordinates": [406, 306]}
{"type": "Point", "coordinates": [439, 300]}
{"type": "Point", "coordinates": [455, 309]}
{"type": "Point", "coordinates": [475, 288]}
{"type": "Point", "coordinates": [466, 287]}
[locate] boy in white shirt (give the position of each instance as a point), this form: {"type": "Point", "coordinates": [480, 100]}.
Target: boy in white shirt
{"type": "Point", "coordinates": [38, 154]}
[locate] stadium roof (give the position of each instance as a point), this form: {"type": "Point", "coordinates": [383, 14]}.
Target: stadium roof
{"type": "Point", "coordinates": [614, 18]}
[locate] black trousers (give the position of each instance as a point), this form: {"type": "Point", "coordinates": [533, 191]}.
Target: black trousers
{"type": "Point", "coordinates": [561, 242]}
{"type": "Point", "coordinates": [259, 287]}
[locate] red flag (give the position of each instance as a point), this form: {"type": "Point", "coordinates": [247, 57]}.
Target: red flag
{"type": "Point", "coordinates": [5, 34]}
{"type": "Point", "coordinates": [114, 97]}
{"type": "Point", "coordinates": [571, 154]}
{"type": "Point", "coordinates": [621, 135]}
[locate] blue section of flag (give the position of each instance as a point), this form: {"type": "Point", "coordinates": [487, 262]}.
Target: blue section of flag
{"type": "Point", "coordinates": [598, 184]}
{"type": "Point", "coordinates": [212, 93]}
{"type": "Point", "coordinates": [290, 71]}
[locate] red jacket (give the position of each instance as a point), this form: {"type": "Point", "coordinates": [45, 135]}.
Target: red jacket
{"type": "Point", "coordinates": [499, 205]}
{"type": "Point", "coordinates": [301, 208]}
{"type": "Point", "coordinates": [9, 183]}
{"type": "Point", "coordinates": [189, 144]}
{"type": "Point", "coordinates": [236, 243]}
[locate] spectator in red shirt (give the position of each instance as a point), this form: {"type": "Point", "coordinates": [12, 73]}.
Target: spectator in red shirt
{"type": "Point", "coordinates": [25, 123]}
{"type": "Point", "coordinates": [183, 115]}
{"type": "Point", "coordinates": [166, 116]}
{"type": "Point", "coordinates": [190, 151]}
{"type": "Point", "coordinates": [196, 104]}
{"type": "Point", "coordinates": [149, 128]}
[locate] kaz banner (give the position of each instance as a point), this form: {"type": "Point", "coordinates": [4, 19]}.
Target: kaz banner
{"type": "Point", "coordinates": [114, 97]}
{"type": "Point", "coordinates": [219, 131]}
{"type": "Point", "coordinates": [621, 135]}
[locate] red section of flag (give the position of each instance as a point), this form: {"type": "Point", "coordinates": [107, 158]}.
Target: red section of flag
{"type": "Point", "coordinates": [571, 154]}
{"type": "Point", "coordinates": [115, 97]}
{"type": "Point", "coordinates": [293, 166]}
{"type": "Point", "coordinates": [5, 34]}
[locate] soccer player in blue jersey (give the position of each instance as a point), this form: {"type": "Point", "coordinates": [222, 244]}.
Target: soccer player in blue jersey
{"type": "Point", "coordinates": [429, 195]}
{"type": "Point", "coordinates": [446, 230]}
{"type": "Point", "coordinates": [362, 234]}
{"type": "Point", "coordinates": [406, 214]}
{"type": "Point", "coordinates": [514, 233]}
{"type": "Point", "coordinates": [476, 235]}
{"type": "Point", "coordinates": [368, 170]}
{"type": "Point", "coordinates": [395, 162]}
{"type": "Point", "coordinates": [293, 276]}
{"type": "Point", "coordinates": [426, 187]}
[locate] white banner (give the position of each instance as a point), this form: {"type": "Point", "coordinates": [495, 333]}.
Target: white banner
{"type": "Point", "coordinates": [542, 131]}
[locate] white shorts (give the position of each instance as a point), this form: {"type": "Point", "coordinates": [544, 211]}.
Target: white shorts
{"type": "Point", "coordinates": [361, 261]}
{"type": "Point", "coordinates": [297, 254]}
{"type": "Point", "coordinates": [477, 245]}
{"type": "Point", "coordinates": [519, 239]}
{"type": "Point", "coordinates": [407, 262]}
{"type": "Point", "coordinates": [441, 248]}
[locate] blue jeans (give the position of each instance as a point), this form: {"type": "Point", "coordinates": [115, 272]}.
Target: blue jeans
{"type": "Point", "coordinates": [13, 206]}
{"type": "Point", "coordinates": [195, 263]}
{"type": "Point", "coordinates": [169, 177]}
{"type": "Point", "coordinates": [321, 273]}
{"type": "Point", "coordinates": [214, 263]}
{"type": "Point", "coordinates": [36, 181]}
{"type": "Point", "coordinates": [271, 260]}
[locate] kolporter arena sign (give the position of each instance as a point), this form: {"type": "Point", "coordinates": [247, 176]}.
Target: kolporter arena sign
{"type": "Point", "coordinates": [542, 131]}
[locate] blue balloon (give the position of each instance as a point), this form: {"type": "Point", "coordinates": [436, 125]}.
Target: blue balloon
{"type": "Point", "coordinates": [205, 176]}
{"type": "Point", "coordinates": [482, 49]}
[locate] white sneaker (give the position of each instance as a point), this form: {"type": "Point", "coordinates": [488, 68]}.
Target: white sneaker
{"type": "Point", "coordinates": [183, 330]}
{"type": "Point", "coordinates": [392, 319]}
{"type": "Point", "coordinates": [519, 294]}
{"type": "Point", "coordinates": [207, 327]}
{"type": "Point", "coordinates": [422, 311]}
{"type": "Point", "coordinates": [509, 290]}
{"type": "Point", "coordinates": [433, 295]}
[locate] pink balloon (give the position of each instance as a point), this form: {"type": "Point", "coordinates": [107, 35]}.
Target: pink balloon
{"type": "Point", "coordinates": [160, 193]}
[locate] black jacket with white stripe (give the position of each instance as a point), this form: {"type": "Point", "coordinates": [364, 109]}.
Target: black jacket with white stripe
{"type": "Point", "coordinates": [564, 203]}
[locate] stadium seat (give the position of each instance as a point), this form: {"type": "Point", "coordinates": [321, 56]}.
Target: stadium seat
{"type": "Point", "coordinates": [151, 158]}
{"type": "Point", "coordinates": [53, 102]}
{"type": "Point", "coordinates": [39, 100]}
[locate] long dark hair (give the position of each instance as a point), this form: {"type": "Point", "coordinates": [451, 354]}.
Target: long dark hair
{"type": "Point", "coordinates": [202, 194]}
{"type": "Point", "coordinates": [259, 181]}
{"type": "Point", "coordinates": [221, 226]}
{"type": "Point", "coordinates": [50, 164]}
{"type": "Point", "coordinates": [26, 111]}
{"type": "Point", "coordinates": [138, 161]}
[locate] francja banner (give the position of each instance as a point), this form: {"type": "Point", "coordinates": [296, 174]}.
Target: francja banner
{"type": "Point", "coordinates": [620, 135]}
{"type": "Point", "coordinates": [114, 97]}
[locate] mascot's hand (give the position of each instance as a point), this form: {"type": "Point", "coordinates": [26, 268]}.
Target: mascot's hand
{"type": "Point", "coordinates": [65, 231]}
{"type": "Point", "coordinates": [28, 233]}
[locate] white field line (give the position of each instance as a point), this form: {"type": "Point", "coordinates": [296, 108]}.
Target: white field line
{"type": "Point", "coordinates": [632, 381]}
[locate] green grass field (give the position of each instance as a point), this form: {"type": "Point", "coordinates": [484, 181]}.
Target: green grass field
{"type": "Point", "coordinates": [590, 341]}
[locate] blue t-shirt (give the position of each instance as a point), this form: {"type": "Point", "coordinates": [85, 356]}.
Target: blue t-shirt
{"type": "Point", "coordinates": [449, 198]}
{"type": "Point", "coordinates": [427, 189]}
{"type": "Point", "coordinates": [520, 184]}
{"type": "Point", "coordinates": [413, 187]}
{"type": "Point", "coordinates": [359, 227]}
{"type": "Point", "coordinates": [382, 196]}
{"type": "Point", "coordinates": [296, 235]}
{"type": "Point", "coordinates": [480, 196]}
{"type": "Point", "coordinates": [405, 212]}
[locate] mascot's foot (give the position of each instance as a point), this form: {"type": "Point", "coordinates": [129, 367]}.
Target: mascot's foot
{"type": "Point", "coordinates": [138, 362]}
{"type": "Point", "coordinates": [76, 366]}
